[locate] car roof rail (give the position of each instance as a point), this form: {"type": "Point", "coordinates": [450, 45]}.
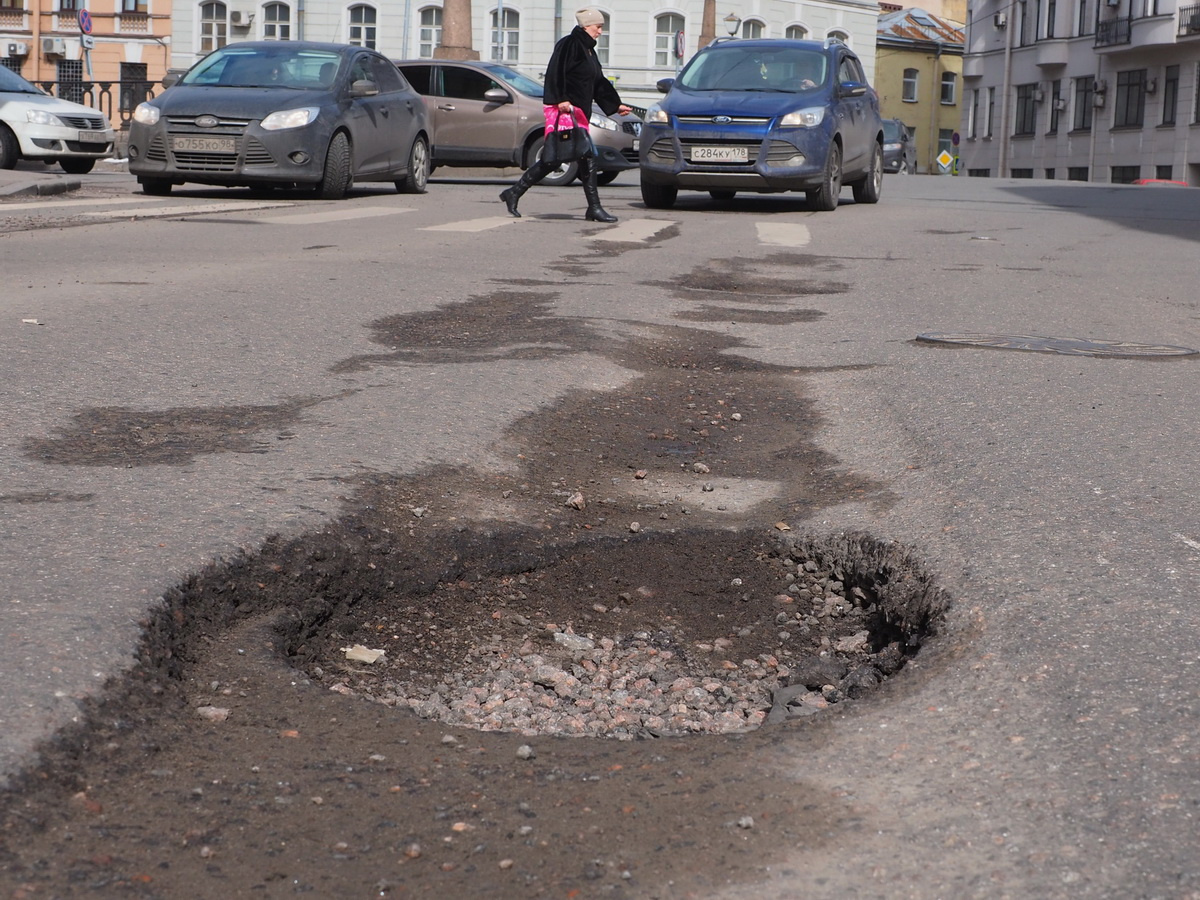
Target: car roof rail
{"type": "Point", "coordinates": [720, 40]}
{"type": "Point", "coordinates": [830, 41]}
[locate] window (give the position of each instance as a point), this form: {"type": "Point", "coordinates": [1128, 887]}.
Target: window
{"type": "Point", "coordinates": [1131, 99]}
{"type": "Point", "coordinates": [949, 88]}
{"type": "Point", "coordinates": [991, 111]}
{"type": "Point", "coordinates": [973, 116]}
{"type": "Point", "coordinates": [277, 22]}
{"type": "Point", "coordinates": [837, 35]}
{"type": "Point", "coordinates": [213, 27]}
{"type": "Point", "coordinates": [68, 6]}
{"type": "Point", "coordinates": [909, 92]}
{"type": "Point", "coordinates": [70, 79]}
{"type": "Point", "coordinates": [1085, 96]}
{"type": "Point", "coordinates": [1056, 105]}
{"type": "Point", "coordinates": [602, 41]}
{"type": "Point", "coordinates": [137, 7]}
{"type": "Point", "coordinates": [10, 62]}
{"type": "Point", "coordinates": [979, 173]}
{"type": "Point", "coordinates": [1049, 174]}
{"type": "Point", "coordinates": [946, 141]}
{"type": "Point", "coordinates": [796, 33]}
{"type": "Point", "coordinates": [664, 38]}
{"type": "Point", "coordinates": [1125, 174]}
{"type": "Point", "coordinates": [1170, 94]}
{"type": "Point", "coordinates": [1026, 119]}
{"type": "Point", "coordinates": [430, 36]}
{"type": "Point", "coordinates": [1022, 173]}
{"type": "Point", "coordinates": [419, 77]}
{"type": "Point", "coordinates": [465, 84]}
{"type": "Point", "coordinates": [134, 86]}
{"type": "Point", "coordinates": [362, 26]}
{"type": "Point", "coordinates": [11, 4]}
{"type": "Point", "coordinates": [1051, 12]}
{"type": "Point", "coordinates": [1165, 173]}
{"type": "Point", "coordinates": [1077, 173]}
{"type": "Point", "coordinates": [1083, 21]}
{"type": "Point", "coordinates": [506, 35]}
{"type": "Point", "coordinates": [752, 29]}
{"type": "Point", "coordinates": [1196, 94]}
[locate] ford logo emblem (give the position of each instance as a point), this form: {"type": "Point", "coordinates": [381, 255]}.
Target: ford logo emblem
{"type": "Point", "coordinates": [717, 120]}
{"type": "Point", "coordinates": [206, 121]}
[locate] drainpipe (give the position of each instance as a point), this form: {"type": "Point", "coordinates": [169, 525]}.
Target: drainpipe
{"type": "Point", "coordinates": [934, 105]}
{"type": "Point", "coordinates": [1007, 88]}
{"type": "Point", "coordinates": [300, 20]}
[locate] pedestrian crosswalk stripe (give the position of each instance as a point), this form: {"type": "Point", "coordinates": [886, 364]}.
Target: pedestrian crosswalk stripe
{"type": "Point", "coordinates": [783, 234]}
{"type": "Point", "coordinates": [470, 225]}
{"type": "Point", "coordinates": [8, 209]}
{"type": "Point", "coordinates": [336, 215]}
{"type": "Point", "coordinates": [633, 231]}
{"type": "Point", "coordinates": [192, 209]}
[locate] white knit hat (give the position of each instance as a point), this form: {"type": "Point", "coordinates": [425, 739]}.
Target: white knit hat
{"type": "Point", "coordinates": [589, 16]}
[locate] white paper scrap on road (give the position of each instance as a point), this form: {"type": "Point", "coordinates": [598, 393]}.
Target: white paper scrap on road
{"type": "Point", "coordinates": [475, 224]}
{"type": "Point", "coordinates": [783, 234]}
{"type": "Point", "coordinates": [336, 215]}
{"type": "Point", "coordinates": [192, 209]}
{"type": "Point", "coordinates": [359, 653]}
{"type": "Point", "coordinates": [633, 231]}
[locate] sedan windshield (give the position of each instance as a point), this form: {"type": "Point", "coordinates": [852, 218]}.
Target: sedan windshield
{"type": "Point", "coordinates": [282, 67]}
{"type": "Point", "coordinates": [11, 82]}
{"type": "Point", "coordinates": [755, 68]}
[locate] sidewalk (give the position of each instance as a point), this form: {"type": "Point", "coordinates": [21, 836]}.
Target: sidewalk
{"type": "Point", "coordinates": [40, 181]}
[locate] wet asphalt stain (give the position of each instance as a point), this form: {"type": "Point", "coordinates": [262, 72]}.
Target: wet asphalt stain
{"type": "Point", "coordinates": [709, 313]}
{"type": "Point", "coordinates": [120, 436]}
{"type": "Point", "coordinates": [46, 497]}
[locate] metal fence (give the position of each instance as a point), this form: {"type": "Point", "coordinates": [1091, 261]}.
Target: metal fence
{"type": "Point", "coordinates": [115, 99]}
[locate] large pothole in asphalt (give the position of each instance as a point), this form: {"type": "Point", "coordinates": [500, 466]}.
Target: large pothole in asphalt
{"type": "Point", "coordinates": [668, 634]}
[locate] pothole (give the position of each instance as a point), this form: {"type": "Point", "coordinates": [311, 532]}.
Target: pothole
{"type": "Point", "coordinates": [673, 634]}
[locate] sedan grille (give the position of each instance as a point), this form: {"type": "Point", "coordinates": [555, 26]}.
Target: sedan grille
{"type": "Point", "coordinates": [157, 151]}
{"type": "Point", "coordinates": [188, 123]}
{"type": "Point", "coordinates": [84, 123]}
{"type": "Point", "coordinates": [662, 150]}
{"type": "Point", "coordinates": [194, 161]}
{"type": "Point", "coordinates": [733, 120]}
{"type": "Point", "coordinates": [781, 152]}
{"type": "Point", "coordinates": [257, 154]}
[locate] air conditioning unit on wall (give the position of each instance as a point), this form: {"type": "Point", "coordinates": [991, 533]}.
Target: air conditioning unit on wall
{"type": "Point", "coordinates": [54, 46]}
{"type": "Point", "coordinates": [18, 48]}
{"type": "Point", "coordinates": [1000, 20]}
{"type": "Point", "coordinates": [239, 19]}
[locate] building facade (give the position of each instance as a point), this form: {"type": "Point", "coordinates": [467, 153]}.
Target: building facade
{"type": "Point", "coordinates": [1087, 90]}
{"type": "Point", "coordinates": [641, 42]}
{"type": "Point", "coordinates": [111, 69]}
{"type": "Point", "coordinates": [918, 66]}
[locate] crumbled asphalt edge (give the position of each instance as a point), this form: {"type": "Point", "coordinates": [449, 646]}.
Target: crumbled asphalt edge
{"type": "Point", "coordinates": [910, 605]}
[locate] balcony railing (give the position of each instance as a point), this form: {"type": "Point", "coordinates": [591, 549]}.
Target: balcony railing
{"type": "Point", "coordinates": [1113, 32]}
{"type": "Point", "coordinates": [1189, 20]}
{"type": "Point", "coordinates": [115, 99]}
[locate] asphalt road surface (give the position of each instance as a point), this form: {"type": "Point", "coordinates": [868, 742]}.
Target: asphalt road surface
{"type": "Point", "coordinates": [1051, 751]}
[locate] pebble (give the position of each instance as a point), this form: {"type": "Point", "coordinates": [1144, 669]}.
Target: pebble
{"type": "Point", "coordinates": [526, 752]}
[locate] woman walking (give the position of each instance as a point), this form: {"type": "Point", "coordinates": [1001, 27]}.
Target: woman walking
{"type": "Point", "coordinates": [573, 80]}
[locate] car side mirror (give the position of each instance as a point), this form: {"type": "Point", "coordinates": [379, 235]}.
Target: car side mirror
{"type": "Point", "coordinates": [169, 79]}
{"type": "Point", "coordinates": [497, 95]}
{"type": "Point", "coordinates": [364, 88]}
{"type": "Point", "coordinates": [852, 89]}
{"type": "Point", "coordinates": [664, 84]}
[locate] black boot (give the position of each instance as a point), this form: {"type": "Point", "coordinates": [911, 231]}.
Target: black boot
{"type": "Point", "coordinates": [587, 174]}
{"type": "Point", "coordinates": [529, 178]}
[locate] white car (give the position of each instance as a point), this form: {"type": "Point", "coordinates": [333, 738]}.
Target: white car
{"type": "Point", "coordinates": [34, 125]}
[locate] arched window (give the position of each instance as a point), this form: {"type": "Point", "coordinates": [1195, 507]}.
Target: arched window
{"type": "Point", "coordinates": [838, 35]}
{"type": "Point", "coordinates": [430, 37]}
{"type": "Point", "coordinates": [753, 28]}
{"type": "Point", "coordinates": [602, 41]}
{"type": "Point", "coordinates": [665, 27]}
{"type": "Point", "coordinates": [911, 86]}
{"type": "Point", "coordinates": [214, 26]}
{"type": "Point", "coordinates": [362, 26]}
{"type": "Point", "coordinates": [796, 33]}
{"type": "Point", "coordinates": [506, 36]}
{"type": "Point", "coordinates": [277, 22]}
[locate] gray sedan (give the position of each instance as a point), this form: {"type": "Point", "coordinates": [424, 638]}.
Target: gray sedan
{"type": "Point", "coordinates": [280, 114]}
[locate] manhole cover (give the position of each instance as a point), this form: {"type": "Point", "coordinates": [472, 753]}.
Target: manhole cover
{"type": "Point", "coordinates": [1068, 346]}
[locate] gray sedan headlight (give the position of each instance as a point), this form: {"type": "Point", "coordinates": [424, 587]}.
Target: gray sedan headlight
{"type": "Point", "coordinates": [290, 118]}
{"type": "Point", "coordinates": [41, 117]}
{"type": "Point", "coordinates": [600, 120]}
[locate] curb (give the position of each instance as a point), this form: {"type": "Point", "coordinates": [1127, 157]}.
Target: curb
{"type": "Point", "coordinates": [41, 187]}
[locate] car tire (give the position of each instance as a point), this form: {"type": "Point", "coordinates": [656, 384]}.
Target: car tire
{"type": "Point", "coordinates": [564, 174]}
{"type": "Point", "coordinates": [867, 190]}
{"type": "Point", "coordinates": [155, 187]}
{"type": "Point", "coordinates": [335, 180]}
{"type": "Point", "coordinates": [10, 150]}
{"type": "Point", "coordinates": [73, 165]}
{"type": "Point", "coordinates": [417, 179]}
{"type": "Point", "coordinates": [659, 196]}
{"type": "Point", "coordinates": [722, 196]}
{"type": "Point", "coordinates": [603, 178]}
{"type": "Point", "coordinates": [825, 197]}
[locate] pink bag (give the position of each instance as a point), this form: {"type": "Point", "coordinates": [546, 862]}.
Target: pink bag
{"type": "Point", "coordinates": [558, 121]}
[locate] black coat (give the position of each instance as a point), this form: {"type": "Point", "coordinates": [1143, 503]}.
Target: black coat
{"type": "Point", "coordinates": [574, 74]}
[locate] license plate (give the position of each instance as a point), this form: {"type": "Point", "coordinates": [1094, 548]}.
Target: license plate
{"type": "Point", "coordinates": [203, 144]}
{"type": "Point", "coordinates": [720, 154]}
{"type": "Point", "coordinates": [636, 146]}
{"type": "Point", "coordinates": [93, 137]}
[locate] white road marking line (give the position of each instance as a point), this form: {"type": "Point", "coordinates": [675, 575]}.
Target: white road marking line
{"type": "Point", "coordinates": [633, 231]}
{"type": "Point", "coordinates": [335, 215]}
{"type": "Point", "coordinates": [473, 224]}
{"type": "Point", "coordinates": [53, 205]}
{"type": "Point", "coordinates": [783, 234]}
{"type": "Point", "coordinates": [196, 209]}
{"type": "Point", "coordinates": [1195, 545]}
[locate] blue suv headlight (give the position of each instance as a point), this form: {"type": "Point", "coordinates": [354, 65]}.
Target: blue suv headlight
{"type": "Point", "coordinates": [655, 115]}
{"type": "Point", "coordinates": [809, 117]}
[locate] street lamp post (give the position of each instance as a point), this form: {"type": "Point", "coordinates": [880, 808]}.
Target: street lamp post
{"type": "Point", "coordinates": [732, 24]}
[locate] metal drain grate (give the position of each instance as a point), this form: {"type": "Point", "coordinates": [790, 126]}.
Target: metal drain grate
{"type": "Point", "coordinates": [1066, 346]}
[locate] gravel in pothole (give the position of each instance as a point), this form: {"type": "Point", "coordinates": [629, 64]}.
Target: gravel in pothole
{"type": "Point", "coordinates": [753, 638]}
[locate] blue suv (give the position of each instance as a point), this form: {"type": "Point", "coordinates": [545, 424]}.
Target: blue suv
{"type": "Point", "coordinates": [765, 116]}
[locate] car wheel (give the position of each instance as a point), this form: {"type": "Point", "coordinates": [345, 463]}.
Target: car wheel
{"type": "Point", "coordinates": [155, 187]}
{"type": "Point", "coordinates": [337, 176]}
{"type": "Point", "coordinates": [73, 165]}
{"type": "Point", "coordinates": [10, 150]}
{"type": "Point", "coordinates": [722, 196]}
{"type": "Point", "coordinates": [867, 190]}
{"type": "Point", "coordinates": [418, 169]}
{"type": "Point", "coordinates": [659, 196]}
{"type": "Point", "coordinates": [564, 174]}
{"type": "Point", "coordinates": [603, 178]}
{"type": "Point", "coordinates": [825, 198]}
